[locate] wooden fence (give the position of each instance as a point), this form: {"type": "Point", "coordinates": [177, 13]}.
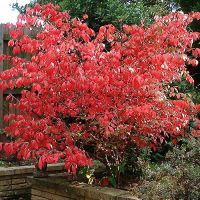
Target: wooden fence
{"type": "Point", "coordinates": [1, 69]}
{"type": "Point", "coordinates": [4, 49]}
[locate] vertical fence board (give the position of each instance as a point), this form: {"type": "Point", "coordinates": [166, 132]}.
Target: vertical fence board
{"type": "Point", "coordinates": [1, 69]}
{"type": "Point", "coordinates": [5, 49]}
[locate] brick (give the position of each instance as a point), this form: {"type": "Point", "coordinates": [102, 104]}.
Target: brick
{"type": "Point", "coordinates": [55, 167]}
{"type": "Point", "coordinates": [72, 189]}
{"type": "Point", "coordinates": [23, 170]}
{"type": "Point", "coordinates": [10, 193]}
{"type": "Point", "coordinates": [20, 176]}
{"type": "Point", "coordinates": [6, 171]}
{"type": "Point", "coordinates": [33, 197]}
{"type": "Point", "coordinates": [22, 191]}
{"type": "Point", "coordinates": [18, 180]}
{"type": "Point", "coordinates": [43, 189]}
{"type": "Point", "coordinates": [6, 193]}
{"type": "Point", "coordinates": [5, 187]}
{"type": "Point", "coordinates": [2, 178]}
{"type": "Point", "coordinates": [96, 194]}
{"type": "Point", "coordinates": [19, 186]}
{"type": "Point", "coordinates": [5, 182]}
{"type": "Point", "coordinates": [127, 197]}
{"type": "Point", "coordinates": [48, 195]}
{"type": "Point", "coordinates": [52, 191]}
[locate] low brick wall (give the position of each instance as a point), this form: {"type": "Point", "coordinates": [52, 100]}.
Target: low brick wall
{"type": "Point", "coordinates": [14, 184]}
{"type": "Point", "coordinates": [55, 188]}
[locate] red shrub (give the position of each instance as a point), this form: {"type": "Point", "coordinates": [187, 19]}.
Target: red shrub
{"type": "Point", "coordinates": [108, 89]}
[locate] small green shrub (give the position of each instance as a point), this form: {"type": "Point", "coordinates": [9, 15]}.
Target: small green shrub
{"type": "Point", "coordinates": [176, 178]}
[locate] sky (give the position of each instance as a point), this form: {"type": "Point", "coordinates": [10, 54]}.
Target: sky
{"type": "Point", "coordinates": [7, 14]}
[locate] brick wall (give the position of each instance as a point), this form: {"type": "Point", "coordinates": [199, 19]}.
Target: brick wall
{"type": "Point", "coordinates": [13, 180]}
{"type": "Point", "coordinates": [56, 188]}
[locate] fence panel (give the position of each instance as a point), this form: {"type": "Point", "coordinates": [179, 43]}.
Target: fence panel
{"type": "Point", "coordinates": [4, 49]}
{"type": "Point", "coordinates": [1, 69]}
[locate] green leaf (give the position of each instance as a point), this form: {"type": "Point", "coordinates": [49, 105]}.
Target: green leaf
{"type": "Point", "coordinates": [122, 168]}
{"type": "Point", "coordinates": [112, 181]}
{"type": "Point", "coordinates": [192, 124]}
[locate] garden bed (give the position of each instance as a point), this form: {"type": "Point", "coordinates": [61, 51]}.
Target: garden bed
{"type": "Point", "coordinates": [13, 180]}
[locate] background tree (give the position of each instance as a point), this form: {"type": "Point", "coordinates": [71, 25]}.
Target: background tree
{"type": "Point", "coordinates": [109, 11]}
{"type": "Point", "coordinates": [187, 7]}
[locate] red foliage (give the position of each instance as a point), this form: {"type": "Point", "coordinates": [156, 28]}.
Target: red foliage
{"type": "Point", "coordinates": [77, 87]}
{"type": "Point", "coordinates": [105, 181]}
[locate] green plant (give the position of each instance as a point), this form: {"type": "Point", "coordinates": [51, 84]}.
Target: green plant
{"type": "Point", "coordinates": [176, 178]}
{"type": "Point", "coordinates": [102, 12]}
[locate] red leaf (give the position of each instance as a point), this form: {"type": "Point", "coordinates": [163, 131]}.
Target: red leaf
{"type": "Point", "coordinates": [85, 16]}
{"type": "Point", "coordinates": [137, 82]}
{"type": "Point", "coordinates": [105, 181]}
{"type": "Point", "coordinates": [193, 62]}
{"type": "Point", "coordinates": [153, 146]}
{"type": "Point", "coordinates": [174, 141]}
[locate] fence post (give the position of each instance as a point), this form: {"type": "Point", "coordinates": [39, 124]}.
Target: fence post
{"type": "Point", "coordinates": [1, 69]}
